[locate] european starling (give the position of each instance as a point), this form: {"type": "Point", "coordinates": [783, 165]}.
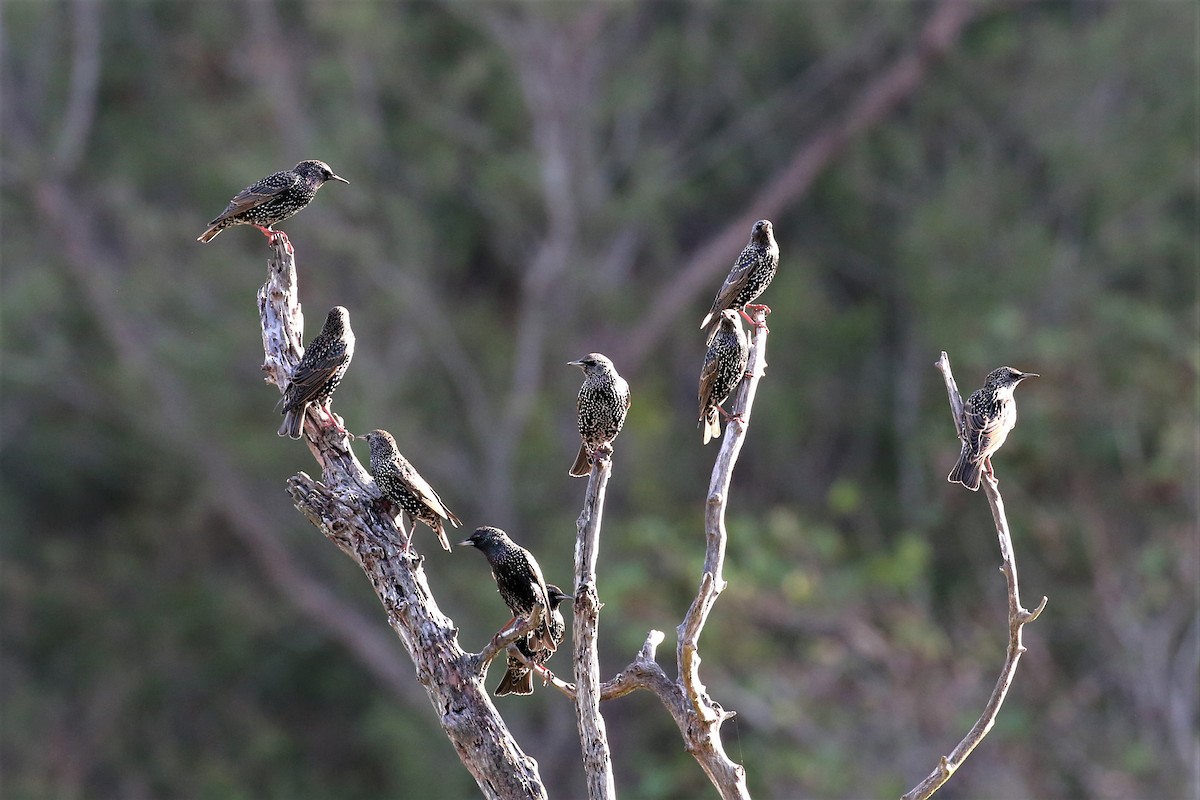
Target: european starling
{"type": "Point", "coordinates": [518, 679]}
{"type": "Point", "coordinates": [750, 275]}
{"type": "Point", "coordinates": [602, 405]}
{"type": "Point", "coordinates": [987, 418]}
{"type": "Point", "coordinates": [273, 199]}
{"type": "Point", "coordinates": [401, 484]}
{"type": "Point", "coordinates": [519, 579]}
{"type": "Point", "coordinates": [724, 366]}
{"type": "Point", "coordinates": [319, 371]}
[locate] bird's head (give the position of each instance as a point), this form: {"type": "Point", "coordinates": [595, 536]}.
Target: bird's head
{"type": "Point", "coordinates": [485, 538]}
{"type": "Point", "coordinates": [317, 172]}
{"type": "Point", "coordinates": [337, 322]}
{"type": "Point", "coordinates": [761, 233]}
{"type": "Point", "coordinates": [556, 596]}
{"type": "Point", "coordinates": [593, 363]}
{"type": "Point", "coordinates": [381, 443]}
{"type": "Point", "coordinates": [1007, 376]}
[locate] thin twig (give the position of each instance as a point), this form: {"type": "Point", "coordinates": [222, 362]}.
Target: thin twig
{"type": "Point", "coordinates": [593, 738]}
{"type": "Point", "coordinates": [1018, 616]}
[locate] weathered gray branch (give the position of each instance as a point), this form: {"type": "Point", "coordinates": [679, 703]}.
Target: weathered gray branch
{"type": "Point", "coordinates": [1018, 616]}
{"type": "Point", "coordinates": [699, 718]}
{"type": "Point", "coordinates": [593, 738]}
{"type": "Point", "coordinates": [345, 505]}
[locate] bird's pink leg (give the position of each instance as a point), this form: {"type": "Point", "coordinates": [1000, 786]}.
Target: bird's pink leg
{"type": "Point", "coordinates": [751, 320]}
{"type": "Point", "coordinates": [271, 233]}
{"type": "Point", "coordinates": [987, 462]}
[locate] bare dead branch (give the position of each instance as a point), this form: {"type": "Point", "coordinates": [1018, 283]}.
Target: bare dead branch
{"type": "Point", "coordinates": [593, 737]}
{"type": "Point", "coordinates": [1018, 616]}
{"type": "Point", "coordinates": [345, 507]}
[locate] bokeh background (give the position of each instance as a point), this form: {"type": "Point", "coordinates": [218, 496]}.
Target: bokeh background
{"type": "Point", "coordinates": [1015, 183]}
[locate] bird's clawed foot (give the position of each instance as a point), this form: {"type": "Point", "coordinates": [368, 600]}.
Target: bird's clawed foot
{"type": "Point", "coordinates": [271, 235]}
{"type": "Point", "coordinates": [753, 322]}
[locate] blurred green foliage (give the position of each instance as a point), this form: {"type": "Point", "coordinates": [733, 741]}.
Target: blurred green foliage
{"type": "Point", "coordinates": [526, 181]}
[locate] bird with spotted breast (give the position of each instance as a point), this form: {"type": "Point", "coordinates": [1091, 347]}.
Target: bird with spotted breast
{"type": "Point", "coordinates": [273, 199]}
{"type": "Point", "coordinates": [519, 580]}
{"type": "Point", "coordinates": [749, 276]}
{"type": "Point", "coordinates": [400, 483]}
{"type": "Point", "coordinates": [518, 677]}
{"type": "Point", "coordinates": [602, 404]}
{"type": "Point", "coordinates": [319, 372]}
{"type": "Point", "coordinates": [724, 366]}
{"type": "Point", "coordinates": [988, 416]}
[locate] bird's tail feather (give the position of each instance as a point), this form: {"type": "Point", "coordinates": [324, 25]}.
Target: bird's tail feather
{"type": "Point", "coordinates": [966, 472]}
{"type": "Point", "coordinates": [209, 234]}
{"type": "Point", "coordinates": [516, 681]}
{"type": "Point", "coordinates": [582, 466]}
{"type": "Point", "coordinates": [440, 530]}
{"type": "Point", "coordinates": [293, 423]}
{"type": "Point", "coordinates": [711, 424]}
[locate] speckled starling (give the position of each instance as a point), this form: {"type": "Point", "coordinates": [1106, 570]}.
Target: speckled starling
{"type": "Point", "coordinates": [602, 405]}
{"type": "Point", "coordinates": [401, 484]}
{"type": "Point", "coordinates": [518, 577]}
{"type": "Point", "coordinates": [724, 366]}
{"type": "Point", "coordinates": [987, 418]}
{"type": "Point", "coordinates": [750, 275]}
{"type": "Point", "coordinates": [319, 371]}
{"type": "Point", "coordinates": [518, 679]}
{"type": "Point", "coordinates": [273, 199]}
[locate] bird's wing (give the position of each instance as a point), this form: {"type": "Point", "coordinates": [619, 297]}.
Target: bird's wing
{"type": "Point", "coordinates": [310, 377]}
{"type": "Point", "coordinates": [708, 374]}
{"type": "Point", "coordinates": [258, 194]}
{"type": "Point", "coordinates": [978, 426]}
{"type": "Point", "coordinates": [735, 280]}
{"type": "Point", "coordinates": [425, 493]}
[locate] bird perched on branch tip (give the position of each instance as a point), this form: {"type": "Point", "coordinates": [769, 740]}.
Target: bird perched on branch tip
{"type": "Point", "coordinates": [273, 199]}
{"type": "Point", "coordinates": [602, 405]}
{"type": "Point", "coordinates": [749, 276]}
{"type": "Point", "coordinates": [988, 416]}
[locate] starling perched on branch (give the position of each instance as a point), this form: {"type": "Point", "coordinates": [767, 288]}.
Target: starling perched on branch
{"type": "Point", "coordinates": [750, 275]}
{"type": "Point", "coordinates": [518, 679]}
{"type": "Point", "coordinates": [987, 418]}
{"type": "Point", "coordinates": [319, 371]}
{"type": "Point", "coordinates": [273, 199]}
{"type": "Point", "coordinates": [724, 366]}
{"type": "Point", "coordinates": [519, 579]}
{"type": "Point", "coordinates": [401, 484]}
{"type": "Point", "coordinates": [602, 405]}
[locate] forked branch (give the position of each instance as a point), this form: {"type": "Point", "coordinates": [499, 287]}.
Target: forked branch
{"type": "Point", "coordinates": [345, 506]}
{"type": "Point", "coordinates": [1018, 616]}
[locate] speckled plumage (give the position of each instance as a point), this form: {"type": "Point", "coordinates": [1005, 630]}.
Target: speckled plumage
{"type": "Point", "coordinates": [750, 274]}
{"type": "Point", "coordinates": [400, 483]}
{"type": "Point", "coordinates": [602, 405]}
{"type": "Point", "coordinates": [724, 366]}
{"type": "Point", "coordinates": [319, 372]}
{"type": "Point", "coordinates": [518, 678]}
{"type": "Point", "coordinates": [272, 199]}
{"type": "Point", "coordinates": [518, 577]}
{"type": "Point", "coordinates": [989, 415]}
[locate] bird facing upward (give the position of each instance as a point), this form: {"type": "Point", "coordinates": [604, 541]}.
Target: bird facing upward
{"type": "Point", "coordinates": [749, 276]}
{"type": "Point", "coordinates": [724, 366]}
{"type": "Point", "coordinates": [602, 405]}
{"type": "Point", "coordinates": [518, 678]}
{"type": "Point", "coordinates": [273, 199]}
{"type": "Point", "coordinates": [519, 579]}
{"type": "Point", "coordinates": [988, 417]}
{"type": "Point", "coordinates": [319, 372]}
{"type": "Point", "coordinates": [404, 486]}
